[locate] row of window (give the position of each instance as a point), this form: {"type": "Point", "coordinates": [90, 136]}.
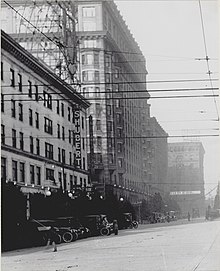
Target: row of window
{"type": "Point", "coordinates": [33, 92]}
{"type": "Point", "coordinates": [35, 147]}
{"type": "Point", "coordinates": [35, 174]}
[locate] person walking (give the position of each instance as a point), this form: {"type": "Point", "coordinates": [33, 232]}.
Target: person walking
{"type": "Point", "coordinates": [188, 216]}
{"type": "Point", "coordinates": [52, 239]}
{"type": "Point", "coordinates": [115, 226]}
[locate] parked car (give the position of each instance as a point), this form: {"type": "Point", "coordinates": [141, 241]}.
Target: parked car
{"type": "Point", "coordinates": [125, 221]}
{"type": "Point", "coordinates": [97, 224]}
{"type": "Point", "coordinates": [74, 224]}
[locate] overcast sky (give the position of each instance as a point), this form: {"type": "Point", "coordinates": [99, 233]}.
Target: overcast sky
{"type": "Point", "coordinates": [170, 36]}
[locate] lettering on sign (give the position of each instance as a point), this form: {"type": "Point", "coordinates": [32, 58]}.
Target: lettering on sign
{"type": "Point", "coordinates": [185, 193]}
{"type": "Point", "coordinates": [77, 139]}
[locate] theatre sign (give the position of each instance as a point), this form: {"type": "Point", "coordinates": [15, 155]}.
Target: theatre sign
{"type": "Point", "coordinates": [185, 193]}
{"type": "Point", "coordinates": [77, 139]}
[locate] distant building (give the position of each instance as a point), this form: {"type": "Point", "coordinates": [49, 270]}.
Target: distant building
{"type": "Point", "coordinates": [186, 175]}
{"type": "Point", "coordinates": [157, 158]}
{"type": "Point", "coordinates": [42, 122]}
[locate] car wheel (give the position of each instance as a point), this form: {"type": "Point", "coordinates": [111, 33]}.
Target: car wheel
{"type": "Point", "coordinates": [67, 237]}
{"type": "Point", "coordinates": [104, 231]}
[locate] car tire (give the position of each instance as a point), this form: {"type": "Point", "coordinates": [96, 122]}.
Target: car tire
{"type": "Point", "coordinates": [67, 237]}
{"type": "Point", "coordinates": [104, 231]}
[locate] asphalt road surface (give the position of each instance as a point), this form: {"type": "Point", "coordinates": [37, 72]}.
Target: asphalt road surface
{"type": "Point", "coordinates": [177, 246]}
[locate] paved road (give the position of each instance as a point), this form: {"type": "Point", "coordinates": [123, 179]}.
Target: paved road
{"type": "Point", "coordinates": [179, 246]}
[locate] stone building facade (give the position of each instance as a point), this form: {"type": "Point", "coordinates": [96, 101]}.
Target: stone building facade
{"type": "Point", "coordinates": [41, 120]}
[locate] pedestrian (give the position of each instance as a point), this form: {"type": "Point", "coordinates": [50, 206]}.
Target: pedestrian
{"type": "Point", "coordinates": [115, 226]}
{"type": "Point", "coordinates": [207, 215]}
{"type": "Point", "coordinates": [188, 216]}
{"type": "Point", "coordinates": [52, 239]}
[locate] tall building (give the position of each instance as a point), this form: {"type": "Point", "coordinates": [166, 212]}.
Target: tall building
{"type": "Point", "coordinates": [42, 121]}
{"type": "Point", "coordinates": [156, 160]}
{"type": "Point", "coordinates": [186, 175]}
{"type": "Point", "coordinates": [111, 74]}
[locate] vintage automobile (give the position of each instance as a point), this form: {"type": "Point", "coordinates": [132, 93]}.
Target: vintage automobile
{"type": "Point", "coordinates": [97, 224]}
{"type": "Point", "coordinates": [74, 224]}
{"type": "Point", "coordinates": [126, 222]}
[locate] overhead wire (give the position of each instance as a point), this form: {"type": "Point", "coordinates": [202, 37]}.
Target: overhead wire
{"type": "Point", "coordinates": [206, 52]}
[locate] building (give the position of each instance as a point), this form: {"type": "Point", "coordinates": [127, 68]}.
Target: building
{"type": "Point", "coordinates": [42, 123]}
{"type": "Point", "coordinates": [111, 74]}
{"type": "Point", "coordinates": [156, 158]}
{"type": "Point", "coordinates": [186, 175]}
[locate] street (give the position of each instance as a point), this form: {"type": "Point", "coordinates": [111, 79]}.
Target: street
{"type": "Point", "coordinates": [177, 246]}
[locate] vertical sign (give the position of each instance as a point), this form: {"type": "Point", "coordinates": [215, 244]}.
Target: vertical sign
{"type": "Point", "coordinates": [77, 138]}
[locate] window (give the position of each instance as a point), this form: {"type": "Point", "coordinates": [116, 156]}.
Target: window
{"type": "Point", "coordinates": [38, 175]}
{"type": "Point", "coordinates": [64, 181]}
{"type": "Point", "coordinates": [99, 142]}
{"type": "Point", "coordinates": [75, 180]}
{"type": "Point", "coordinates": [47, 100]}
{"type": "Point", "coordinates": [12, 77]}
{"type": "Point", "coordinates": [22, 172]}
{"type": "Point", "coordinates": [119, 133]}
{"type": "Point", "coordinates": [88, 11]}
{"type": "Point", "coordinates": [2, 71]}
{"type": "Point", "coordinates": [2, 134]}
{"type": "Point", "coordinates": [30, 117]}
{"type": "Point", "coordinates": [83, 121]}
{"type": "Point", "coordinates": [37, 146]}
{"type": "Point", "coordinates": [68, 113]}
{"type": "Point", "coordinates": [63, 156]}
{"type": "Point", "coordinates": [60, 178]}
{"type": "Point", "coordinates": [107, 78]}
{"type": "Point", "coordinates": [120, 162]}
{"type": "Point", "coordinates": [98, 125]}
{"type": "Point", "coordinates": [29, 88]}
{"type": "Point", "coordinates": [71, 182]}
{"type": "Point", "coordinates": [97, 76]}
{"type": "Point", "coordinates": [108, 110]}
{"type": "Point", "coordinates": [110, 158]}
{"type": "Point", "coordinates": [59, 154]}
{"type": "Point", "coordinates": [84, 163]}
{"type": "Point", "coordinates": [83, 143]}
{"type": "Point", "coordinates": [31, 144]}
{"type": "Point", "coordinates": [62, 109]}
{"type": "Point", "coordinates": [20, 112]}
{"type": "Point", "coordinates": [48, 150]}
{"type": "Point", "coordinates": [63, 133]}
{"type": "Point", "coordinates": [14, 171]}
{"type": "Point", "coordinates": [73, 116]}
{"type": "Point", "coordinates": [58, 130]}
{"type": "Point", "coordinates": [48, 126]}
{"type": "Point", "coordinates": [36, 93]}
{"type": "Point", "coordinates": [70, 136]}
{"type": "Point", "coordinates": [13, 112]}
{"type": "Point", "coordinates": [97, 91]}
{"type": "Point", "coordinates": [21, 139]}
{"type": "Point", "coordinates": [58, 107]}
{"type": "Point", "coordinates": [2, 103]}
{"type": "Point", "coordinates": [107, 61]}
{"type": "Point", "coordinates": [98, 109]}
{"type": "Point", "coordinates": [116, 73]}
{"type": "Point", "coordinates": [70, 158]}
{"type": "Point", "coordinates": [119, 147]}
{"type": "Point", "coordinates": [37, 120]}
{"type": "Point", "coordinates": [32, 175]}
{"type": "Point", "coordinates": [19, 82]}
{"type": "Point", "coordinates": [109, 126]}
{"type": "Point", "coordinates": [3, 169]}
{"type": "Point", "coordinates": [14, 138]}
{"type": "Point", "coordinates": [50, 174]}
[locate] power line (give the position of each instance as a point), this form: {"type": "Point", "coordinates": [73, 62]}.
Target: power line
{"type": "Point", "coordinates": [206, 52]}
{"type": "Point", "coordinates": [125, 137]}
{"type": "Point", "coordinates": [124, 82]}
{"type": "Point", "coordinates": [125, 98]}
{"type": "Point", "coordinates": [121, 91]}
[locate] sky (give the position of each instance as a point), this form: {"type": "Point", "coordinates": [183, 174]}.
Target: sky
{"type": "Point", "coordinates": [175, 37]}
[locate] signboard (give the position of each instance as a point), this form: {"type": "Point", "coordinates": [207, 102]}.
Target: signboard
{"type": "Point", "coordinates": [185, 193]}
{"type": "Point", "coordinates": [77, 138]}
